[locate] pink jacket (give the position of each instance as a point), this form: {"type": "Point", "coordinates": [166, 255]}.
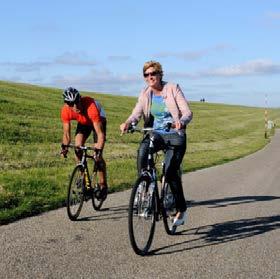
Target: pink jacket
{"type": "Point", "coordinates": [174, 99]}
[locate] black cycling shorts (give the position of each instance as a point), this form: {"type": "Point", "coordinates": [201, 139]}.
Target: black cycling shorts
{"type": "Point", "coordinates": [86, 130]}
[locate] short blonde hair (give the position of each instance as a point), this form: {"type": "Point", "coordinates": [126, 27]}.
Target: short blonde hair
{"type": "Point", "coordinates": [156, 65]}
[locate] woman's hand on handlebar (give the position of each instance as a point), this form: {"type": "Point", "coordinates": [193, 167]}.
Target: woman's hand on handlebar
{"type": "Point", "coordinates": [124, 128]}
{"type": "Point", "coordinates": [178, 125]}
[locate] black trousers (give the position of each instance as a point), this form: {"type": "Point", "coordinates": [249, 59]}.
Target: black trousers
{"type": "Point", "coordinates": [175, 147]}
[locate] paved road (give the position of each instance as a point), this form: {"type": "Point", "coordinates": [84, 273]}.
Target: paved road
{"type": "Point", "coordinates": [232, 232]}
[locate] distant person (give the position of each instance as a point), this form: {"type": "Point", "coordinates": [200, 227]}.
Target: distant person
{"type": "Point", "coordinates": [162, 103]}
{"type": "Point", "coordinates": [90, 117]}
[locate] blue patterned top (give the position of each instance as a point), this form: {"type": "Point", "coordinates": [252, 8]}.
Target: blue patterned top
{"type": "Point", "coordinates": [161, 115]}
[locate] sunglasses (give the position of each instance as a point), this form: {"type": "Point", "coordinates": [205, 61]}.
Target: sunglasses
{"type": "Point", "coordinates": [152, 74]}
{"type": "Point", "coordinates": [71, 104]}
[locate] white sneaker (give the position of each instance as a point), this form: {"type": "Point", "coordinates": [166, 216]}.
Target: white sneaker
{"type": "Point", "coordinates": [178, 222]}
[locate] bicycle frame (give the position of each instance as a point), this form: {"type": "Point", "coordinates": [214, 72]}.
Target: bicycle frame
{"type": "Point", "coordinates": [151, 170]}
{"type": "Point", "coordinates": [83, 161]}
{"type": "Point", "coordinates": [84, 165]}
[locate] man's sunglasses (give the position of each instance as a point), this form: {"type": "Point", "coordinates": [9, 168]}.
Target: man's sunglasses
{"type": "Point", "coordinates": [71, 104]}
{"type": "Point", "coordinates": [153, 74]}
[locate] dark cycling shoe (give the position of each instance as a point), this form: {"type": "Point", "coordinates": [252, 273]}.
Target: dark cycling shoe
{"type": "Point", "coordinates": [101, 193]}
{"type": "Point", "coordinates": [97, 191]}
{"type": "Point", "coordinates": [88, 194]}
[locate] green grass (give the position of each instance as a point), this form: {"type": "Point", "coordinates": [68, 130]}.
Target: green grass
{"type": "Point", "coordinates": [34, 178]}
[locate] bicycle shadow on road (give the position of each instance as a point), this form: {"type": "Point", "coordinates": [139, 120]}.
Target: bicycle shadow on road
{"type": "Point", "coordinates": [230, 201]}
{"type": "Point", "coordinates": [221, 233]}
{"type": "Point", "coordinates": [107, 213]}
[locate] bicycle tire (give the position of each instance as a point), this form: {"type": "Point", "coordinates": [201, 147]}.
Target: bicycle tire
{"type": "Point", "coordinates": [96, 203]}
{"type": "Point", "coordinates": [142, 208]}
{"type": "Point", "coordinates": [168, 209]}
{"type": "Point", "coordinates": [75, 194]}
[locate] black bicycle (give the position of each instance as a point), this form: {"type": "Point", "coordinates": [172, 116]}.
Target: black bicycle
{"type": "Point", "coordinates": [147, 205]}
{"type": "Point", "coordinates": [83, 185]}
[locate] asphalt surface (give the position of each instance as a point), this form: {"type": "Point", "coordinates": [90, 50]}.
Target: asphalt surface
{"type": "Point", "coordinates": [232, 232]}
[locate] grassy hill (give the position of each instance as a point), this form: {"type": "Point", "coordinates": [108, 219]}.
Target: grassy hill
{"type": "Point", "coordinates": [34, 178]}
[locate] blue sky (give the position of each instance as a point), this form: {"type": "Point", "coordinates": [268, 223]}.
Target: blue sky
{"type": "Point", "coordinates": [225, 51]}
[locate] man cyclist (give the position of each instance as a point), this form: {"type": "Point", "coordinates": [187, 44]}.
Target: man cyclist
{"type": "Point", "coordinates": [90, 117]}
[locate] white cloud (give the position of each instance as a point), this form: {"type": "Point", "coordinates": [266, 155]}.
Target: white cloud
{"type": "Point", "coordinates": [102, 81]}
{"type": "Point", "coordinates": [273, 15]}
{"type": "Point", "coordinates": [25, 67]}
{"type": "Point", "coordinates": [11, 78]}
{"type": "Point", "coordinates": [67, 58]}
{"type": "Point", "coordinates": [179, 75]}
{"type": "Point", "coordinates": [187, 55]}
{"type": "Point", "coordinates": [223, 86]}
{"type": "Point", "coordinates": [261, 67]}
{"type": "Point", "coordinates": [75, 58]}
{"type": "Point", "coordinates": [119, 58]}
{"type": "Point", "coordinates": [254, 67]}
{"type": "Point", "coordinates": [106, 81]}
{"type": "Point", "coordinates": [194, 55]}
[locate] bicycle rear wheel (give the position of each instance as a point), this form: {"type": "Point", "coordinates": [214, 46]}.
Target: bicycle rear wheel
{"type": "Point", "coordinates": [75, 196]}
{"type": "Point", "coordinates": [96, 202]}
{"type": "Point", "coordinates": [168, 208]}
{"type": "Point", "coordinates": [141, 216]}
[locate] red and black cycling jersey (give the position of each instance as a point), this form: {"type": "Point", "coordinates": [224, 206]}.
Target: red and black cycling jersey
{"type": "Point", "coordinates": [91, 112]}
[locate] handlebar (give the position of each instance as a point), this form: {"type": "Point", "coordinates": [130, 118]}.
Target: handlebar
{"type": "Point", "coordinates": [133, 128]}
{"type": "Point", "coordinates": [83, 148]}
{"type": "Point", "coordinates": [79, 147]}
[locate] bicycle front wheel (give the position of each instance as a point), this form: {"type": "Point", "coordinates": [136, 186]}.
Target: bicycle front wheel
{"type": "Point", "coordinates": [75, 196]}
{"type": "Point", "coordinates": [142, 216]}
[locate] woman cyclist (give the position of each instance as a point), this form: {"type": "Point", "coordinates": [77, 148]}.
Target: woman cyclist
{"type": "Point", "coordinates": [163, 107]}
